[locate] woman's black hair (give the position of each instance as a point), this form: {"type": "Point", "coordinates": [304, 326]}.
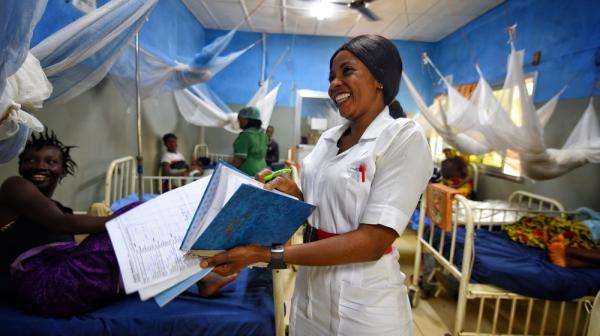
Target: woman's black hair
{"type": "Point", "coordinates": [50, 139]}
{"type": "Point", "coordinates": [396, 110]}
{"type": "Point", "coordinates": [383, 60]}
{"type": "Point", "coordinates": [253, 123]}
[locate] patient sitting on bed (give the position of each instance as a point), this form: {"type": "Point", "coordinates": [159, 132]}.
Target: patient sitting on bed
{"type": "Point", "coordinates": [50, 274]}
{"type": "Point", "coordinates": [173, 163]}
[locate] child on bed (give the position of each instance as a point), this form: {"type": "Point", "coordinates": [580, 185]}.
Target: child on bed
{"type": "Point", "coordinates": [50, 274]}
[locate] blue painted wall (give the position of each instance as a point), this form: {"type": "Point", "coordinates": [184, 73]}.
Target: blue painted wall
{"type": "Point", "coordinates": [58, 14]}
{"type": "Point", "coordinates": [566, 32]}
{"type": "Point", "coordinates": [304, 66]}
{"type": "Point", "coordinates": [171, 31]}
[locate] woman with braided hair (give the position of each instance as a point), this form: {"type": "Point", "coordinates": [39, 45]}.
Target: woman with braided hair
{"type": "Point", "coordinates": [50, 274]}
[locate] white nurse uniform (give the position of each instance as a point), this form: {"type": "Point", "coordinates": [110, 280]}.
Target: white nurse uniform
{"type": "Point", "coordinates": [367, 298]}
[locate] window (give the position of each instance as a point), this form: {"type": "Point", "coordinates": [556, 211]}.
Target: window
{"type": "Point", "coordinates": [507, 166]}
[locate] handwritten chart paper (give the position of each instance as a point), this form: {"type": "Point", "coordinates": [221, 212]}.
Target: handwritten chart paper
{"type": "Point", "coordinates": [148, 237]}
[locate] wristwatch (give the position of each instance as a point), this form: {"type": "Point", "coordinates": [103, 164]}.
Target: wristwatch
{"type": "Point", "coordinates": [277, 257]}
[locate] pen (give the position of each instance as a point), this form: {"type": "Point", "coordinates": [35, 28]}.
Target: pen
{"type": "Point", "coordinates": [277, 173]}
{"type": "Point", "coordinates": [363, 171]}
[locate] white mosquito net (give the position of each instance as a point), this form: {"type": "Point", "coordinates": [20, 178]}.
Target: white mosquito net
{"type": "Point", "coordinates": [200, 106]}
{"type": "Point", "coordinates": [160, 75]}
{"type": "Point", "coordinates": [80, 55]}
{"type": "Point", "coordinates": [23, 84]}
{"type": "Point", "coordinates": [486, 122]}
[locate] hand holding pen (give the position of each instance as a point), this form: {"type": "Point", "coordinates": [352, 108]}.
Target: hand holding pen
{"type": "Point", "coordinates": [276, 173]}
{"type": "Point", "coordinates": [281, 181]}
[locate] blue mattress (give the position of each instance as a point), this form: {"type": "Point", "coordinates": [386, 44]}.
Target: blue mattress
{"type": "Point", "coordinates": [524, 270]}
{"type": "Point", "coordinates": [243, 307]}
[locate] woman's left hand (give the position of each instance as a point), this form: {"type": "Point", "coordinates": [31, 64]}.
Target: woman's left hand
{"type": "Point", "coordinates": [232, 261]}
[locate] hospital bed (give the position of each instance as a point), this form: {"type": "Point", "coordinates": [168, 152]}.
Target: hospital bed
{"type": "Point", "coordinates": [511, 288]}
{"type": "Point", "coordinates": [243, 307]}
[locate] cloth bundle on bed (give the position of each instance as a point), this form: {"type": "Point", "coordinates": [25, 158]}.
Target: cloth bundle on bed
{"type": "Point", "coordinates": [534, 231]}
{"type": "Point", "coordinates": [521, 269]}
{"type": "Point", "coordinates": [244, 307]}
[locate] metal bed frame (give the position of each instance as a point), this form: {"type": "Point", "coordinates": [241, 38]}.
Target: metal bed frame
{"type": "Point", "coordinates": [540, 319]}
{"type": "Point", "coordinates": [201, 150]}
{"type": "Point", "coordinates": [121, 177]}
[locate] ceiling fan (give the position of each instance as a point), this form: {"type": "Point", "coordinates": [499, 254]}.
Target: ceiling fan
{"type": "Point", "coordinates": [359, 5]}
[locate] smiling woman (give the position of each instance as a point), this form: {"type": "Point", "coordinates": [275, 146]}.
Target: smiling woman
{"type": "Point", "coordinates": [50, 274]}
{"type": "Point", "coordinates": [28, 214]}
{"type": "Point", "coordinates": [365, 177]}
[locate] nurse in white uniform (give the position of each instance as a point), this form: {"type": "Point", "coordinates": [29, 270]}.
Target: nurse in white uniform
{"type": "Point", "coordinates": [365, 177]}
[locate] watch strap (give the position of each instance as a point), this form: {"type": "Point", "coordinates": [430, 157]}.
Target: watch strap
{"type": "Point", "coordinates": [277, 257]}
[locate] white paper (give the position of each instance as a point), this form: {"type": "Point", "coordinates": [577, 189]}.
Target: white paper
{"type": "Point", "coordinates": [148, 292]}
{"type": "Point", "coordinates": [147, 238]}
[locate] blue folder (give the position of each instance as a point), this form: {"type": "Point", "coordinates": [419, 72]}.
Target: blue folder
{"type": "Point", "coordinates": [254, 216]}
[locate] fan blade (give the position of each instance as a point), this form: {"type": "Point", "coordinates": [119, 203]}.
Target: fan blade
{"type": "Point", "coordinates": [367, 13]}
{"type": "Point", "coordinates": [341, 3]}
{"type": "Point", "coordinates": [331, 2]}
{"type": "Point", "coordinates": [347, 4]}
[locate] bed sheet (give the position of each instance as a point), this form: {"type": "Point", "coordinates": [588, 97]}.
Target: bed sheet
{"type": "Point", "coordinates": [243, 307]}
{"type": "Point", "coordinates": [521, 269]}
{"type": "Point", "coordinates": [490, 212]}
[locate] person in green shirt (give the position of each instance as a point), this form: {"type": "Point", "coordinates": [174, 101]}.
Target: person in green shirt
{"type": "Point", "coordinates": [250, 147]}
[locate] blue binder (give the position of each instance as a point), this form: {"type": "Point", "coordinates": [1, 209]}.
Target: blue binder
{"type": "Point", "coordinates": [252, 215]}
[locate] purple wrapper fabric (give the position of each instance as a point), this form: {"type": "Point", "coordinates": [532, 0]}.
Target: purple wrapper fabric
{"type": "Point", "coordinates": [66, 279]}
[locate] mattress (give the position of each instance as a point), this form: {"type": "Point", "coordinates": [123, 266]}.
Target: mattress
{"type": "Point", "coordinates": [243, 307]}
{"type": "Point", "coordinates": [523, 270]}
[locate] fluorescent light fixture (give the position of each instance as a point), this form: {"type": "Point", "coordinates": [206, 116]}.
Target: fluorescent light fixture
{"type": "Point", "coordinates": [321, 10]}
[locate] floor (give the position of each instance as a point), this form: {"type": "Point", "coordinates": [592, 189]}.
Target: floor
{"type": "Point", "coordinates": [427, 321]}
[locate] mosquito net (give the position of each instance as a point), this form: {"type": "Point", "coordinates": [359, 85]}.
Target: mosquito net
{"type": "Point", "coordinates": [23, 85]}
{"type": "Point", "coordinates": [199, 105]}
{"type": "Point", "coordinates": [79, 56]}
{"type": "Point", "coordinates": [509, 120]}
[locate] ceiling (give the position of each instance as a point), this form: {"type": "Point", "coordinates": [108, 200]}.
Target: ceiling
{"type": "Point", "coordinates": [418, 20]}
